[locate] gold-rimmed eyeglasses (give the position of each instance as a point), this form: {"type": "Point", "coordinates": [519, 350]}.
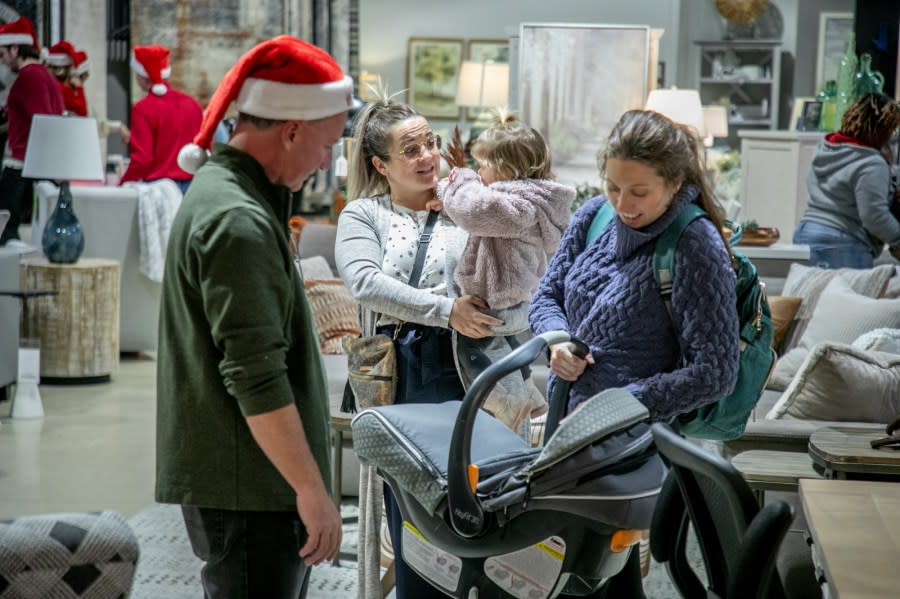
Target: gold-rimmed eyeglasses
{"type": "Point", "coordinates": [413, 151]}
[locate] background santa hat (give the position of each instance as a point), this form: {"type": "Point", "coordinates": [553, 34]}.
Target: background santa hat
{"type": "Point", "coordinates": [283, 78]}
{"type": "Point", "coordinates": [18, 33]}
{"type": "Point", "coordinates": [60, 54]}
{"type": "Point", "coordinates": [80, 63]}
{"type": "Point", "coordinates": [152, 62]}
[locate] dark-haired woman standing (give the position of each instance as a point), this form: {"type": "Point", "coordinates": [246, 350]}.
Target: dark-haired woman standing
{"type": "Point", "coordinates": [848, 218]}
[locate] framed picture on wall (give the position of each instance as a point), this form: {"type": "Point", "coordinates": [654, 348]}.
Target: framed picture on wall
{"type": "Point", "coordinates": [494, 50]}
{"type": "Point", "coordinates": [797, 111]}
{"type": "Point", "coordinates": [432, 69]}
{"type": "Point", "coordinates": [834, 32]}
{"type": "Point", "coordinates": [572, 98]}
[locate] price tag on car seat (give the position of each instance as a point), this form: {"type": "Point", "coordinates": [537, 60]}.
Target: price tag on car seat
{"type": "Point", "coordinates": [529, 573]}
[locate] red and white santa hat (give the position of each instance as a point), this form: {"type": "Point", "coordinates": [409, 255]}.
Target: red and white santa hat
{"type": "Point", "coordinates": [152, 62]}
{"type": "Point", "coordinates": [60, 54]}
{"type": "Point", "coordinates": [18, 33]}
{"type": "Point", "coordinates": [283, 78]}
{"type": "Point", "coordinates": [80, 63]}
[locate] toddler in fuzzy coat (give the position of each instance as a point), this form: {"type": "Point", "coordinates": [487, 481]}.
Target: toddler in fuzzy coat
{"type": "Point", "coordinates": [515, 214]}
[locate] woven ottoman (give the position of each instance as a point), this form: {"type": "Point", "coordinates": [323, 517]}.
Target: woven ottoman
{"type": "Point", "coordinates": [89, 555]}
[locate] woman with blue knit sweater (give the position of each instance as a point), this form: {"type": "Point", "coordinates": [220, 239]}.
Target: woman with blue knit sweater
{"type": "Point", "coordinates": [604, 292]}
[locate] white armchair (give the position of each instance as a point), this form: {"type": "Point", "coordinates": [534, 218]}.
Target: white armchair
{"type": "Point", "coordinates": [109, 219]}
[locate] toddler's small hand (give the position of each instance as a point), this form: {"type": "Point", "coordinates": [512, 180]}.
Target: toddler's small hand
{"type": "Point", "coordinates": [434, 204]}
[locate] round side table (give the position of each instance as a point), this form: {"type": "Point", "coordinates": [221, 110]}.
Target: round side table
{"type": "Point", "coordinates": [79, 328]}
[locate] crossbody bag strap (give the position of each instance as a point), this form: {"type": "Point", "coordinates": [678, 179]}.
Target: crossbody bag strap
{"type": "Point", "coordinates": [424, 240]}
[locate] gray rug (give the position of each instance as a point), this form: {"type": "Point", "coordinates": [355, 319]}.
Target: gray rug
{"type": "Point", "coordinates": [168, 569]}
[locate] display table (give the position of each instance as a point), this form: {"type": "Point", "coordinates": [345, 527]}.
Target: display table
{"type": "Point", "coordinates": [79, 327]}
{"type": "Point", "coordinates": [855, 547]}
{"type": "Point", "coordinates": [845, 452]}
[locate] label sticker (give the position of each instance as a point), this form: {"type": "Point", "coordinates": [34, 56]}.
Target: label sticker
{"type": "Point", "coordinates": [529, 573]}
{"type": "Point", "coordinates": [435, 564]}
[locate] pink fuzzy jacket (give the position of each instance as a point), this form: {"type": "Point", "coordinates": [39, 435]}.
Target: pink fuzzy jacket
{"type": "Point", "coordinates": [513, 227]}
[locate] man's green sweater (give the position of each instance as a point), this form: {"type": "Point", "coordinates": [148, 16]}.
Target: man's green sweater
{"type": "Point", "coordinates": [236, 339]}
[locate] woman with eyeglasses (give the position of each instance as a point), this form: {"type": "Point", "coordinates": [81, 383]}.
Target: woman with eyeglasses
{"type": "Point", "coordinates": [394, 171]}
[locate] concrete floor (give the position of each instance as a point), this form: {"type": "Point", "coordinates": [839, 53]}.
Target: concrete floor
{"type": "Point", "coordinates": [94, 449]}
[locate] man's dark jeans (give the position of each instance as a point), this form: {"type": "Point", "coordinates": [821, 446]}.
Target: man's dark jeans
{"type": "Point", "coordinates": [248, 554]}
{"type": "Point", "coordinates": [17, 196]}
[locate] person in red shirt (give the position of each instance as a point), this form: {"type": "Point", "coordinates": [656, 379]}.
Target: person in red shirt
{"type": "Point", "coordinates": [161, 122]}
{"type": "Point", "coordinates": [75, 99]}
{"type": "Point", "coordinates": [34, 91]}
{"type": "Point", "coordinates": [61, 61]}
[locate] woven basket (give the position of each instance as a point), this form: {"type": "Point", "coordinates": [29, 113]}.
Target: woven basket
{"type": "Point", "coordinates": [741, 11]}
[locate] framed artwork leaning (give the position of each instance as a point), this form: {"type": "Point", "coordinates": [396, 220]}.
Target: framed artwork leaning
{"type": "Point", "coordinates": [432, 70]}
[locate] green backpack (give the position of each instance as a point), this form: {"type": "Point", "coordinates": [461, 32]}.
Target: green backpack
{"type": "Point", "coordinates": [726, 418]}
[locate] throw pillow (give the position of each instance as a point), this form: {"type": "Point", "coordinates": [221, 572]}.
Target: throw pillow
{"type": "Point", "coordinates": [335, 311]}
{"type": "Point", "coordinates": [784, 308]}
{"type": "Point", "coordinates": [315, 267]}
{"type": "Point", "coordinates": [883, 340]}
{"type": "Point", "coordinates": [807, 282]}
{"type": "Point", "coordinates": [842, 383]}
{"type": "Point", "coordinates": [841, 316]}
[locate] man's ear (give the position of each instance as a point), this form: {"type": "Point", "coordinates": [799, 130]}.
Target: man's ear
{"type": "Point", "coordinates": [290, 132]}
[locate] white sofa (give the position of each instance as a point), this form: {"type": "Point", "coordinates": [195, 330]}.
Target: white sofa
{"type": "Point", "coordinates": [109, 219]}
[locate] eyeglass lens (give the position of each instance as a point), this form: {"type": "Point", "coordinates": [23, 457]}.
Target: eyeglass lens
{"type": "Point", "coordinates": [412, 151]}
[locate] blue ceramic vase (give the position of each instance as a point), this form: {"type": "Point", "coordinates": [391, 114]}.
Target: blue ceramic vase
{"type": "Point", "coordinates": [63, 240]}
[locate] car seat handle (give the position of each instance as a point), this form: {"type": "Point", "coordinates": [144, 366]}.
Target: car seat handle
{"type": "Point", "coordinates": [466, 513]}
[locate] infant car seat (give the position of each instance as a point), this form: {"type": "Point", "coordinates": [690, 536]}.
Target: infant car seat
{"type": "Point", "coordinates": [486, 515]}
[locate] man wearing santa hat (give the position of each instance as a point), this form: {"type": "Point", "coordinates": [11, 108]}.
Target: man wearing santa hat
{"type": "Point", "coordinates": [161, 122]}
{"type": "Point", "coordinates": [34, 91]}
{"type": "Point", "coordinates": [76, 102]}
{"type": "Point", "coordinates": [242, 399]}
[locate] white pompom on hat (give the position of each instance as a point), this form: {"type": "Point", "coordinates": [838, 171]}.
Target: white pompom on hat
{"type": "Point", "coordinates": [18, 33]}
{"type": "Point", "coordinates": [283, 78]}
{"type": "Point", "coordinates": [152, 62]}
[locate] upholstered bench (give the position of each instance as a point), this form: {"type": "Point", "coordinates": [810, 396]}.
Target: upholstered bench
{"type": "Point", "coordinates": [87, 555]}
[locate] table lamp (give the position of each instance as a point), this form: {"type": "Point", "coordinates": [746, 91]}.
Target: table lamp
{"type": "Point", "coordinates": [482, 85]}
{"type": "Point", "coordinates": [680, 105]}
{"type": "Point", "coordinates": [715, 123]}
{"type": "Point", "coordinates": [61, 149]}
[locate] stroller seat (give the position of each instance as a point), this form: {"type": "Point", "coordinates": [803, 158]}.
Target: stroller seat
{"type": "Point", "coordinates": [486, 512]}
{"type": "Point", "coordinates": [412, 446]}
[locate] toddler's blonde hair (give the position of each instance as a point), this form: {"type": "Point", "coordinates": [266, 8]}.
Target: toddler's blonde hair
{"type": "Point", "coordinates": [513, 149]}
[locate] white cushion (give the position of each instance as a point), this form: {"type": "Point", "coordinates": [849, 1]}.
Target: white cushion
{"type": "Point", "coordinates": [808, 282]}
{"type": "Point", "coordinates": [842, 383]}
{"type": "Point", "coordinates": [841, 316]}
{"type": "Point", "coordinates": [883, 340]}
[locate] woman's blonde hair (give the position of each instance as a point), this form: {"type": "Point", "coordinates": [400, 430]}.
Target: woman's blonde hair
{"type": "Point", "coordinates": [372, 137]}
{"type": "Point", "coordinates": [513, 149]}
{"type": "Point", "coordinates": [671, 149]}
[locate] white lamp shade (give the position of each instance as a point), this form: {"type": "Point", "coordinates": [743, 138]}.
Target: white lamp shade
{"type": "Point", "coordinates": [63, 148]}
{"type": "Point", "coordinates": [715, 121]}
{"type": "Point", "coordinates": [680, 105]}
{"type": "Point", "coordinates": [482, 84]}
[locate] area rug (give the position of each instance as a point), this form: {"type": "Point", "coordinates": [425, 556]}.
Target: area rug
{"type": "Point", "coordinates": [168, 569]}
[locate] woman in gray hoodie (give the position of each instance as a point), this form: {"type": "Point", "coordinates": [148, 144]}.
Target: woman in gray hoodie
{"type": "Point", "coordinates": [848, 219]}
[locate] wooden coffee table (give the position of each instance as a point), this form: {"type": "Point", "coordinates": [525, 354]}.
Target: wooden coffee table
{"type": "Point", "coordinates": [844, 452]}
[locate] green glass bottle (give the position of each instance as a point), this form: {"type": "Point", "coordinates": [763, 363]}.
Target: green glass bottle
{"type": "Point", "coordinates": [828, 97]}
{"type": "Point", "coordinates": [867, 81]}
{"type": "Point", "coordinates": [846, 76]}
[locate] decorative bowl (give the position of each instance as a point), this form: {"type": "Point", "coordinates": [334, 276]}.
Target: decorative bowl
{"type": "Point", "coordinates": [760, 236]}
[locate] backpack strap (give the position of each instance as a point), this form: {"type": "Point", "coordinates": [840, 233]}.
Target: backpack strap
{"type": "Point", "coordinates": [664, 252]}
{"type": "Point", "coordinates": [601, 219]}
